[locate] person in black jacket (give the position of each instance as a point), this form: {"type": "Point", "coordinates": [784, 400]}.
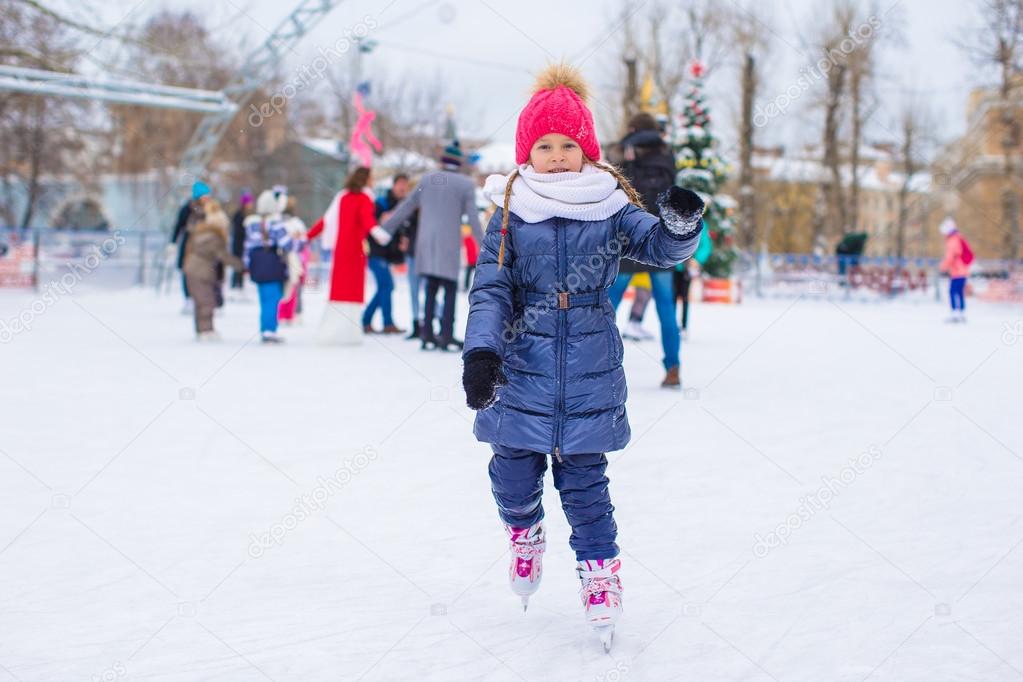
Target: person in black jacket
{"type": "Point", "coordinates": [238, 236]}
{"type": "Point", "coordinates": [382, 257]}
{"type": "Point", "coordinates": [650, 167]}
{"type": "Point", "coordinates": [405, 244]}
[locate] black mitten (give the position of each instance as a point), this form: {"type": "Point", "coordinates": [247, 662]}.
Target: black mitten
{"type": "Point", "coordinates": [481, 376]}
{"type": "Point", "coordinates": [681, 211]}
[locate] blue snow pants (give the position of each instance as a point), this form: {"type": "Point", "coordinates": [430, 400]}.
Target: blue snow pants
{"type": "Point", "coordinates": [956, 291]}
{"type": "Point", "coordinates": [269, 298]}
{"type": "Point", "coordinates": [516, 478]}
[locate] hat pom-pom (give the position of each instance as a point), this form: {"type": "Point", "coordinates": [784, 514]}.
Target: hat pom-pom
{"type": "Point", "coordinates": [562, 75]}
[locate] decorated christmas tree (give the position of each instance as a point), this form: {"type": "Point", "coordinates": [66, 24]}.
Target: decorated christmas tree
{"type": "Point", "coordinates": [702, 170]}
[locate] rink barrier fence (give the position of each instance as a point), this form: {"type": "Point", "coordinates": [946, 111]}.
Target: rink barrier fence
{"type": "Point", "coordinates": [126, 258]}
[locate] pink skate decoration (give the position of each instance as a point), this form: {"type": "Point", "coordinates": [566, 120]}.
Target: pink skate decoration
{"type": "Point", "coordinates": [363, 129]}
{"type": "Point", "coordinates": [527, 547]}
{"type": "Point", "coordinates": [601, 596]}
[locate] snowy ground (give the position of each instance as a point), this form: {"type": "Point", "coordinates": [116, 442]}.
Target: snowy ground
{"type": "Point", "coordinates": [138, 471]}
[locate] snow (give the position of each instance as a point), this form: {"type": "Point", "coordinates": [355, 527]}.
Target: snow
{"type": "Point", "coordinates": [790, 169]}
{"type": "Point", "coordinates": [496, 157]}
{"type": "Point", "coordinates": [405, 160]}
{"type": "Point", "coordinates": [137, 466]}
{"type": "Point", "coordinates": [328, 146]}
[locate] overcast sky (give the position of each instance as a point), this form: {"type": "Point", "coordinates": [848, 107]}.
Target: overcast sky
{"type": "Point", "coordinates": [487, 51]}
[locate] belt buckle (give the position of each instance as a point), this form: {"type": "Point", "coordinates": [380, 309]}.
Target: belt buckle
{"type": "Point", "coordinates": [563, 300]}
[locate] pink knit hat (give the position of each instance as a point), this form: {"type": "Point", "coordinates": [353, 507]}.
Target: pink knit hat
{"type": "Point", "coordinates": [559, 106]}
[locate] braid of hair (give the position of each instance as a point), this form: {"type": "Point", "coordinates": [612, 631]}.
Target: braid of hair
{"type": "Point", "coordinates": [504, 216]}
{"type": "Point", "coordinates": [626, 186]}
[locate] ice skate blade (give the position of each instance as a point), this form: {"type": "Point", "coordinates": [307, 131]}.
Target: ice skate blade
{"type": "Point", "coordinates": [607, 636]}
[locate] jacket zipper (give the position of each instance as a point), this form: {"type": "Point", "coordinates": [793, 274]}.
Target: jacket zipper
{"type": "Point", "coordinates": [562, 341]}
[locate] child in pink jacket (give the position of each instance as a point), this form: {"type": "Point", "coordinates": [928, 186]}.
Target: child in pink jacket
{"type": "Point", "coordinates": [472, 253]}
{"type": "Point", "coordinates": [957, 269]}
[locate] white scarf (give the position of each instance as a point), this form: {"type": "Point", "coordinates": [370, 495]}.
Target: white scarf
{"type": "Point", "coordinates": [591, 194]}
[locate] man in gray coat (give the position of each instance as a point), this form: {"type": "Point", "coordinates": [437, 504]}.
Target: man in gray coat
{"type": "Point", "coordinates": [443, 197]}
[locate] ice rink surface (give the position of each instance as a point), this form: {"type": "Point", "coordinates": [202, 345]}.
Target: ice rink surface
{"type": "Point", "coordinates": [837, 495]}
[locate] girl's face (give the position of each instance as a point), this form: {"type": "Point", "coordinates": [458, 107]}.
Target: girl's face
{"type": "Point", "coordinates": [556, 153]}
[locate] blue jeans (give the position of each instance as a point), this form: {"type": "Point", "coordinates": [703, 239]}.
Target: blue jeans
{"type": "Point", "coordinates": [516, 479]}
{"type": "Point", "coordinates": [381, 270]}
{"type": "Point", "coordinates": [269, 298]}
{"type": "Point", "coordinates": [661, 288]}
{"type": "Point", "coordinates": [956, 289]}
{"type": "Point", "coordinates": [415, 285]}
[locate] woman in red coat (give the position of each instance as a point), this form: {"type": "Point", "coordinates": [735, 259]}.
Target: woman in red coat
{"type": "Point", "coordinates": [344, 227]}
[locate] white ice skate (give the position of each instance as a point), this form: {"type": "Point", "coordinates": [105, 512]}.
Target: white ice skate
{"type": "Point", "coordinates": [634, 331]}
{"type": "Point", "coordinates": [526, 569]}
{"type": "Point", "coordinates": [601, 594]}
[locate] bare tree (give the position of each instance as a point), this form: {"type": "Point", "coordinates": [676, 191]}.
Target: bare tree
{"type": "Point", "coordinates": [410, 109]}
{"type": "Point", "coordinates": [42, 135]}
{"type": "Point", "coordinates": [750, 35]}
{"type": "Point", "coordinates": [704, 32]}
{"type": "Point", "coordinates": [626, 55]}
{"type": "Point", "coordinates": [674, 35]}
{"type": "Point", "coordinates": [630, 59]}
{"type": "Point", "coordinates": [667, 58]}
{"type": "Point", "coordinates": [913, 145]}
{"type": "Point", "coordinates": [832, 215]}
{"type": "Point", "coordinates": [171, 48]}
{"type": "Point", "coordinates": [55, 18]}
{"type": "Point", "coordinates": [999, 43]}
{"type": "Point", "coordinates": [832, 189]}
{"type": "Point", "coordinates": [862, 36]}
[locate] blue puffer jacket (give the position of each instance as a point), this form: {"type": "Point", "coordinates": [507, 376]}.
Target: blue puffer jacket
{"type": "Point", "coordinates": [561, 352]}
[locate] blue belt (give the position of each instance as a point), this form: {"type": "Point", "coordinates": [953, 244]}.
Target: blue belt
{"type": "Point", "coordinates": [562, 300]}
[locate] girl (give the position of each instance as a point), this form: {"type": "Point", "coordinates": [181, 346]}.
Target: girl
{"type": "Point", "coordinates": [955, 264]}
{"type": "Point", "coordinates": [298, 263]}
{"type": "Point", "coordinates": [472, 254]}
{"type": "Point", "coordinates": [266, 255]}
{"type": "Point", "coordinates": [543, 357]}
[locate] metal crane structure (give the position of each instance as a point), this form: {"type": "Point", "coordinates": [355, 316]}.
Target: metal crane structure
{"type": "Point", "coordinates": [219, 107]}
{"type": "Point", "coordinates": [39, 82]}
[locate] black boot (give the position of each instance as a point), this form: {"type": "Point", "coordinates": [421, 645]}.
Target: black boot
{"type": "Point", "coordinates": [450, 344]}
{"type": "Point", "coordinates": [429, 339]}
{"type": "Point", "coordinates": [414, 334]}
